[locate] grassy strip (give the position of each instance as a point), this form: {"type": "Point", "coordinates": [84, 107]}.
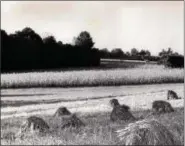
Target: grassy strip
{"type": "Point", "coordinates": [98, 131]}
{"type": "Point", "coordinates": [147, 74]}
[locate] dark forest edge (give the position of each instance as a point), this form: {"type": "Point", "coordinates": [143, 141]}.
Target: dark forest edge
{"type": "Point", "coordinates": [25, 50]}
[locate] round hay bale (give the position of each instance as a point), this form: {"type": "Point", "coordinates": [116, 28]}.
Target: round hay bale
{"type": "Point", "coordinates": [72, 121]}
{"type": "Point", "coordinates": [160, 106]}
{"type": "Point", "coordinates": [33, 124]}
{"type": "Point", "coordinates": [120, 112]}
{"type": "Point", "coordinates": [146, 132]}
{"type": "Point", "coordinates": [172, 95]}
{"type": "Point", "coordinates": [62, 111]}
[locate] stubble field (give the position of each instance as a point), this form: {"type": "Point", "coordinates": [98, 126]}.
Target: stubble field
{"type": "Point", "coordinates": [20, 99]}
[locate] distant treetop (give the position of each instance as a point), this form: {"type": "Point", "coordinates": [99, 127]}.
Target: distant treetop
{"type": "Point", "coordinates": [84, 40]}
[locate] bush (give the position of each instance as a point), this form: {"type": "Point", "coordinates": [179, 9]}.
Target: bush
{"type": "Point", "coordinates": [175, 61]}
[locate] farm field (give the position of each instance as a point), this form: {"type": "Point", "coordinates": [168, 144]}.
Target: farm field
{"type": "Point", "coordinates": [92, 73]}
{"type": "Point", "coordinates": [92, 107]}
{"type": "Point", "coordinates": [23, 95]}
{"type": "Point", "coordinates": [142, 74]}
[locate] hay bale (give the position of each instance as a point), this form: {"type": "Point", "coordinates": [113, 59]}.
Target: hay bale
{"type": "Point", "coordinates": [115, 103]}
{"type": "Point", "coordinates": [34, 124]}
{"type": "Point", "coordinates": [160, 106]}
{"type": "Point", "coordinates": [71, 121]}
{"type": "Point", "coordinates": [120, 112]}
{"type": "Point", "coordinates": [172, 95]}
{"type": "Point", "coordinates": [146, 132]}
{"type": "Point", "coordinates": [62, 111]}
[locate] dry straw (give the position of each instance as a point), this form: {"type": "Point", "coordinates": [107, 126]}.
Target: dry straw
{"type": "Point", "coordinates": [61, 111]}
{"type": "Point", "coordinates": [146, 132]}
{"type": "Point", "coordinates": [71, 121]}
{"type": "Point", "coordinates": [120, 112]}
{"type": "Point", "coordinates": [160, 106]}
{"type": "Point", "coordinates": [33, 125]}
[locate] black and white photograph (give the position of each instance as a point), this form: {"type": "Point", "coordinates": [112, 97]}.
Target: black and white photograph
{"type": "Point", "coordinates": [92, 73]}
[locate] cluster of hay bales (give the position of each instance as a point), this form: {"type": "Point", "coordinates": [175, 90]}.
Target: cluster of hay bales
{"type": "Point", "coordinates": [146, 132]}
{"type": "Point", "coordinates": [161, 106]}
{"type": "Point", "coordinates": [121, 112]}
{"type": "Point", "coordinates": [36, 124]}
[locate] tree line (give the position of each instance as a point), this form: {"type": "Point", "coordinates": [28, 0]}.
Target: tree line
{"type": "Point", "coordinates": [167, 57]}
{"type": "Point", "coordinates": [135, 54]}
{"type": "Point", "coordinates": [26, 50]}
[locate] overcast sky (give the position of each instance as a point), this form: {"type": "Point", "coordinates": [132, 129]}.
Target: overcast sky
{"type": "Point", "coordinates": [151, 25]}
